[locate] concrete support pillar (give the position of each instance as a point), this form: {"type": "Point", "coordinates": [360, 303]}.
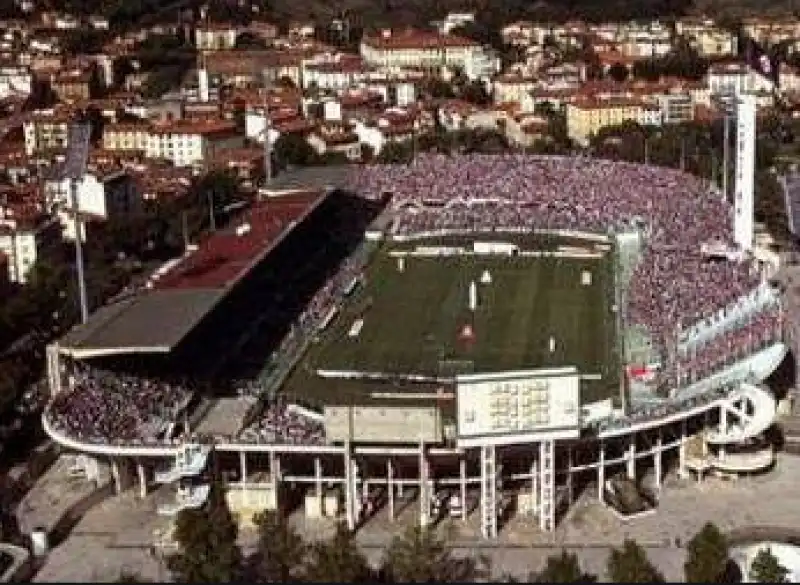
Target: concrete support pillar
{"type": "Point", "coordinates": [349, 485]}
{"type": "Point", "coordinates": [535, 487]}
{"type": "Point", "coordinates": [275, 476]}
{"type": "Point", "coordinates": [570, 489]}
{"type": "Point", "coordinates": [462, 472]}
{"type": "Point", "coordinates": [318, 479]}
{"type": "Point", "coordinates": [631, 462]}
{"type": "Point", "coordinates": [682, 451]}
{"type": "Point", "coordinates": [364, 486]}
{"type": "Point", "coordinates": [390, 488]}
{"type": "Point", "coordinates": [657, 460]}
{"type": "Point", "coordinates": [116, 476]}
{"type": "Point", "coordinates": [140, 472]}
{"type": "Point", "coordinates": [243, 468]}
{"type": "Point", "coordinates": [601, 472]}
{"type": "Point", "coordinates": [424, 488]}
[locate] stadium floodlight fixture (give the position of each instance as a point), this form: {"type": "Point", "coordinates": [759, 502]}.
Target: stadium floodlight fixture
{"type": "Point", "coordinates": [78, 137]}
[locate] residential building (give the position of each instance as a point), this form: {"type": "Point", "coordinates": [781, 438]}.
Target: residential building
{"type": "Point", "coordinates": [189, 142]}
{"type": "Point", "coordinates": [72, 86]}
{"type": "Point", "coordinates": [511, 87]}
{"type": "Point", "coordinates": [15, 81]}
{"type": "Point", "coordinates": [126, 136]}
{"type": "Point", "coordinates": [676, 108]}
{"type": "Point", "coordinates": [393, 125]}
{"type": "Point", "coordinates": [330, 138]}
{"type": "Point", "coordinates": [770, 31]}
{"type": "Point", "coordinates": [45, 131]}
{"type": "Point", "coordinates": [588, 115]}
{"type": "Point", "coordinates": [333, 72]}
{"type": "Point", "coordinates": [428, 50]}
{"type": "Point", "coordinates": [706, 38]}
{"type": "Point", "coordinates": [215, 36]}
{"type": "Point", "coordinates": [735, 77]}
{"type": "Point", "coordinates": [26, 235]}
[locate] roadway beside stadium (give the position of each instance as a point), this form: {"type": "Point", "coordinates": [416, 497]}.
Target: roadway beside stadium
{"type": "Point", "coordinates": [714, 325]}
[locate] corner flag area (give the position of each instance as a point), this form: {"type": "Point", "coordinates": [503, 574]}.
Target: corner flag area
{"type": "Point", "coordinates": [412, 318]}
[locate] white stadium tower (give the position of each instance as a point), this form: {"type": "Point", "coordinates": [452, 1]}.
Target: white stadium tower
{"type": "Point", "coordinates": [693, 397]}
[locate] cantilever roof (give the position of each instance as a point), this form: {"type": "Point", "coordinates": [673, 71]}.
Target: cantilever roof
{"type": "Point", "coordinates": [158, 318]}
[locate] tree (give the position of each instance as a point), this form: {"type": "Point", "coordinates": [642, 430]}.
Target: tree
{"type": "Point", "coordinates": [767, 569]}
{"type": "Point", "coordinates": [247, 41]}
{"type": "Point", "coordinates": [419, 556]}
{"type": "Point", "coordinates": [395, 152]}
{"type": "Point", "coordinates": [337, 560]}
{"type": "Point", "coordinates": [281, 551]}
{"type": "Point", "coordinates": [630, 564]}
{"type": "Point", "coordinates": [618, 72]}
{"type": "Point", "coordinates": [707, 556]}
{"type": "Point", "coordinates": [207, 541]}
{"type": "Point", "coordinates": [563, 568]}
{"type": "Point", "coordinates": [293, 149]}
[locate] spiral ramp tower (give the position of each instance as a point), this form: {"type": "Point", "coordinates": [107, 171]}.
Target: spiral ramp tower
{"type": "Point", "coordinates": [736, 445]}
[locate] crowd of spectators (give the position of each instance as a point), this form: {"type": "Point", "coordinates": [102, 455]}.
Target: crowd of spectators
{"type": "Point", "coordinates": [649, 412]}
{"type": "Point", "coordinates": [674, 285]}
{"type": "Point", "coordinates": [281, 423]}
{"type": "Point", "coordinates": [701, 361]}
{"type": "Point", "coordinates": [109, 408]}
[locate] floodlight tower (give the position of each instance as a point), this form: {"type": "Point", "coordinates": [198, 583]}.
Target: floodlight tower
{"type": "Point", "coordinates": [267, 143]}
{"type": "Point", "coordinates": [74, 171]}
{"type": "Point", "coordinates": [744, 188]}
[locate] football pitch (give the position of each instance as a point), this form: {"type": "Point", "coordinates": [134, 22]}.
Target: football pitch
{"type": "Point", "coordinates": [414, 317]}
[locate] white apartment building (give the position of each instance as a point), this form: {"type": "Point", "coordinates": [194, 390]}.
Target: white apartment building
{"type": "Point", "coordinates": [15, 81]}
{"type": "Point", "coordinates": [215, 37]}
{"type": "Point", "coordinates": [736, 78]}
{"type": "Point", "coordinates": [23, 242]}
{"type": "Point", "coordinates": [706, 38]}
{"type": "Point", "coordinates": [429, 50]}
{"type": "Point", "coordinates": [333, 72]}
{"type": "Point", "coordinates": [185, 142]}
{"type": "Point", "coordinates": [47, 130]}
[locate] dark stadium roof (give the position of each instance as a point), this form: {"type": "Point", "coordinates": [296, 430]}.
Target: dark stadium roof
{"type": "Point", "coordinates": [158, 318]}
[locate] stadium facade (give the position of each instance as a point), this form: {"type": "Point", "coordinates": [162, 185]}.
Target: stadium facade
{"type": "Point", "coordinates": [691, 391]}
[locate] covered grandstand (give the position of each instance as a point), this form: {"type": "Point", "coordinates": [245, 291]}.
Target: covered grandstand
{"type": "Point", "coordinates": [712, 325]}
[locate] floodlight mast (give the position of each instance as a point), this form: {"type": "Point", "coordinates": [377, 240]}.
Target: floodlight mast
{"type": "Point", "coordinates": [74, 171]}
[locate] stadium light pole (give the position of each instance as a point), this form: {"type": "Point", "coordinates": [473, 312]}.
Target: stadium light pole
{"type": "Point", "coordinates": [726, 139]}
{"type": "Point", "coordinates": [74, 171]}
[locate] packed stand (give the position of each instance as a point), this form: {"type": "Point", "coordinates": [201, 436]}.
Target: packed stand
{"type": "Point", "coordinates": [282, 424]}
{"type": "Point", "coordinates": [761, 330]}
{"type": "Point", "coordinates": [651, 412]}
{"type": "Point", "coordinates": [673, 286]}
{"type": "Point", "coordinates": [107, 408]}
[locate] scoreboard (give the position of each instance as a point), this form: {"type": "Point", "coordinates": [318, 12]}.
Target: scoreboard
{"type": "Point", "coordinates": [518, 406]}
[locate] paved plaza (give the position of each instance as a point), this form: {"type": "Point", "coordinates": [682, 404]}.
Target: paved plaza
{"type": "Point", "coordinates": [116, 535]}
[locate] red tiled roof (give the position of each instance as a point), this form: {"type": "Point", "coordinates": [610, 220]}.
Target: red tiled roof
{"type": "Point", "coordinates": [225, 257]}
{"type": "Point", "coordinates": [416, 39]}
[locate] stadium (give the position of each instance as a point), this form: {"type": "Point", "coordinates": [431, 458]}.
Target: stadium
{"type": "Point", "coordinates": [486, 332]}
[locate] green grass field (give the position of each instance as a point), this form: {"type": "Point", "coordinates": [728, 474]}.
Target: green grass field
{"type": "Point", "coordinates": [413, 320]}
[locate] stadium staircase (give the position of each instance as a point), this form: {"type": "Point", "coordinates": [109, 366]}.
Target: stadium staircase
{"type": "Point", "coordinates": [190, 461]}
{"type": "Point", "coordinates": [186, 498]}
